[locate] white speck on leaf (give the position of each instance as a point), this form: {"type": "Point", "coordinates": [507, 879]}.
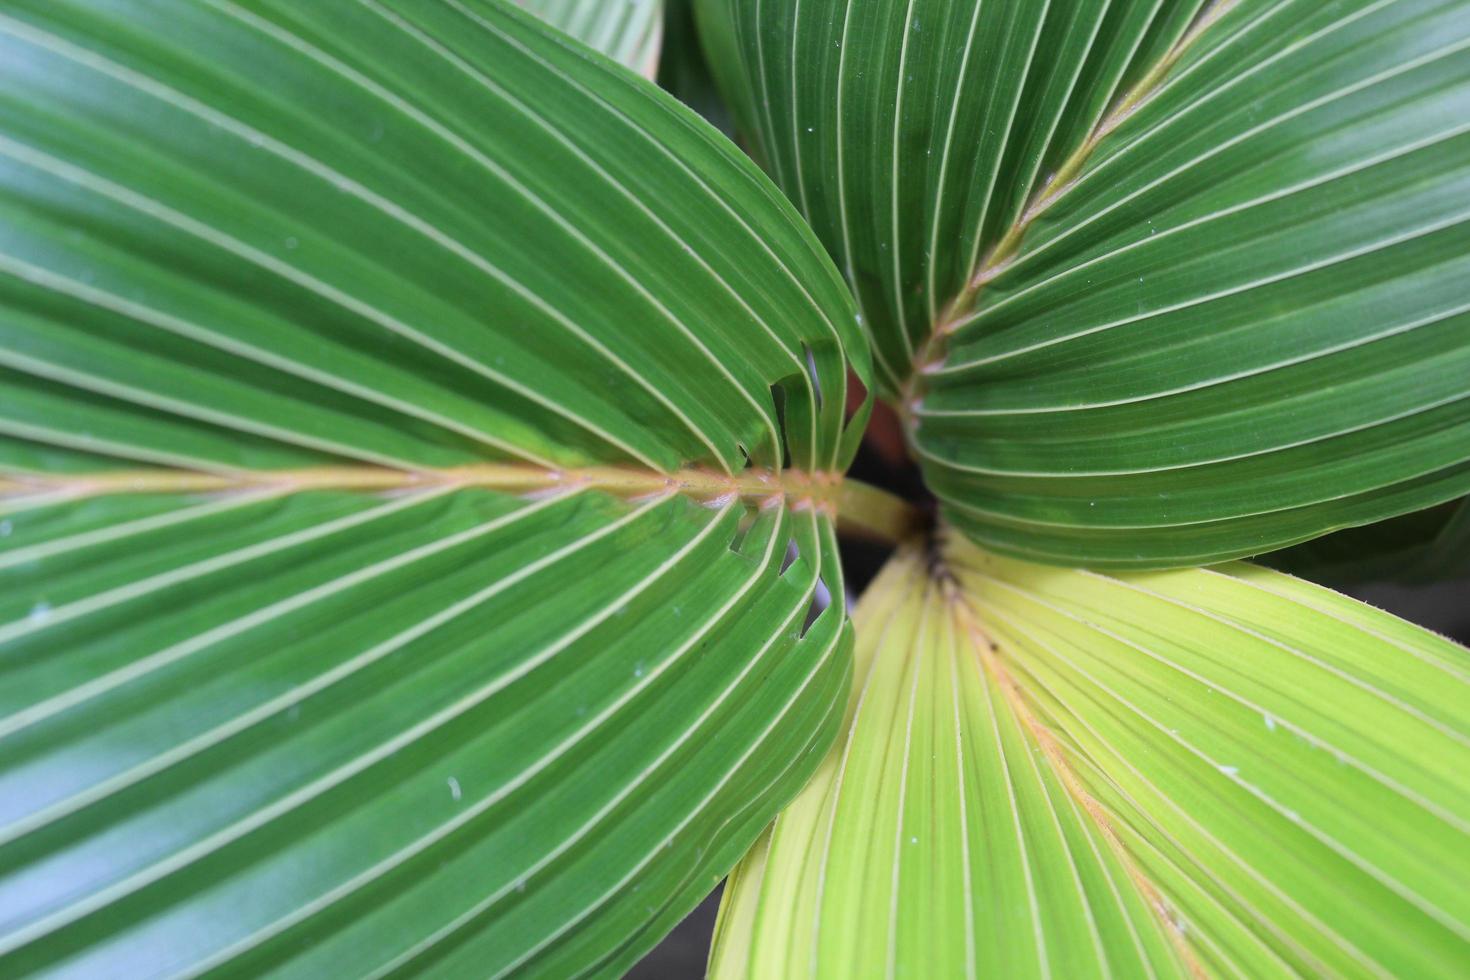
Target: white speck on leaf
{"type": "Point", "coordinates": [1230, 770]}
{"type": "Point", "coordinates": [1270, 723]}
{"type": "Point", "coordinates": [40, 612]}
{"type": "Point", "coordinates": [454, 790]}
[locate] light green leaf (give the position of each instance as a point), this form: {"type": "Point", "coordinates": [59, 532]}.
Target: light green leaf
{"type": "Point", "coordinates": [628, 30]}
{"type": "Point", "coordinates": [1048, 772]}
{"type": "Point", "coordinates": [1154, 283]}
{"type": "Point", "coordinates": [418, 441]}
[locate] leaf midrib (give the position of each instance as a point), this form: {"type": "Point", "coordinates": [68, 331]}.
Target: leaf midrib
{"type": "Point", "coordinates": [799, 488]}
{"type": "Point", "coordinates": [968, 619]}
{"type": "Point", "coordinates": [960, 309]}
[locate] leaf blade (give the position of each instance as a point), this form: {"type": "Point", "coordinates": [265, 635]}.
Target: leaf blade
{"type": "Point", "coordinates": [1178, 772]}
{"type": "Point", "coordinates": [407, 561]}
{"type": "Point", "coordinates": [1192, 290]}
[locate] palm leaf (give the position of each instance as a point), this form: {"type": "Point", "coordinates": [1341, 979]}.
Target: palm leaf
{"type": "Point", "coordinates": [417, 448]}
{"type": "Point", "coordinates": [1222, 772]}
{"type": "Point", "coordinates": [1154, 283]}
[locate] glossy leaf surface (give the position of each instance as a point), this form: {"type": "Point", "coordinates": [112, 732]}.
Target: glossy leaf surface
{"type": "Point", "coordinates": [418, 439]}
{"type": "Point", "coordinates": [1058, 773]}
{"type": "Point", "coordinates": [1155, 283]}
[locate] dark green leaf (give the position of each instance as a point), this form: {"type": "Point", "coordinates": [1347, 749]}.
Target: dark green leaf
{"type": "Point", "coordinates": [1155, 283]}
{"type": "Point", "coordinates": [417, 445]}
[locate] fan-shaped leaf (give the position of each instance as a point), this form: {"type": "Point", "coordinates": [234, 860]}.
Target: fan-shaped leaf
{"type": "Point", "coordinates": [1058, 773]}
{"type": "Point", "coordinates": [1155, 282]}
{"type": "Point", "coordinates": [402, 565]}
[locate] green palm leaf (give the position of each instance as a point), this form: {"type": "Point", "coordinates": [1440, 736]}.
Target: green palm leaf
{"type": "Point", "coordinates": [1222, 772]}
{"type": "Point", "coordinates": [1154, 283]}
{"type": "Point", "coordinates": [417, 448]}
